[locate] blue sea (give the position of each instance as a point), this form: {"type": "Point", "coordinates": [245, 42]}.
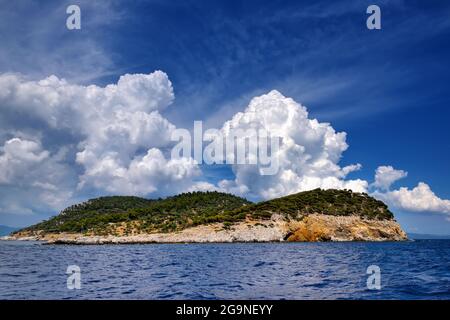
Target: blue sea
{"type": "Point", "coordinates": [408, 270]}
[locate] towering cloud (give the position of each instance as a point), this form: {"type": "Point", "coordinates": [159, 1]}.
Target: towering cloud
{"type": "Point", "coordinates": [120, 136]}
{"type": "Point", "coordinates": [308, 155]}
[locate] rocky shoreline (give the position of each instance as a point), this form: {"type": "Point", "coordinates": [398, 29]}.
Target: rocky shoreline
{"type": "Point", "coordinates": [311, 228]}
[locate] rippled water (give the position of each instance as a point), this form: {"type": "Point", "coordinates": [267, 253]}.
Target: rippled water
{"type": "Point", "coordinates": [409, 270]}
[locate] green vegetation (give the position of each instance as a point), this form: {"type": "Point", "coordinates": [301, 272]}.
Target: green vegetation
{"type": "Point", "coordinates": [318, 201]}
{"type": "Point", "coordinates": [169, 214]}
{"type": "Point", "coordinates": [104, 215]}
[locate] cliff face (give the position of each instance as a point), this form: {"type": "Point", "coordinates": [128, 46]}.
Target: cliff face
{"type": "Point", "coordinates": [315, 227]}
{"type": "Point", "coordinates": [344, 228]}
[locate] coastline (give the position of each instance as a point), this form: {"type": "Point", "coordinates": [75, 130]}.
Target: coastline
{"type": "Point", "coordinates": [312, 228]}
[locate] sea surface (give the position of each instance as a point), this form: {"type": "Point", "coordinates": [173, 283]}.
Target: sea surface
{"type": "Point", "coordinates": [408, 270]}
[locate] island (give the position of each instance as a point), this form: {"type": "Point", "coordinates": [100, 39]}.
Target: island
{"type": "Point", "coordinates": [199, 217]}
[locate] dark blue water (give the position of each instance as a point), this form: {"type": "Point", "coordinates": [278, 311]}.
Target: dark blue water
{"type": "Point", "coordinates": [409, 270]}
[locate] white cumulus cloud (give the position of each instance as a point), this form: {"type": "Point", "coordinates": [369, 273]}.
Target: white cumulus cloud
{"type": "Point", "coordinates": [19, 156]}
{"type": "Point", "coordinates": [419, 199]}
{"type": "Point", "coordinates": [385, 176]}
{"type": "Point", "coordinates": [35, 174]}
{"type": "Point", "coordinates": [308, 155]}
{"type": "Point", "coordinates": [121, 138]}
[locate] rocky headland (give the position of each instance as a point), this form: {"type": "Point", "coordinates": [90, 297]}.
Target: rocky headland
{"type": "Point", "coordinates": [202, 217]}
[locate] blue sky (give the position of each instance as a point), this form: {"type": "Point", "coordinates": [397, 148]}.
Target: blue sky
{"type": "Point", "coordinates": [387, 89]}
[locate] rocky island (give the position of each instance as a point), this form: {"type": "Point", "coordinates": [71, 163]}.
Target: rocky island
{"type": "Point", "coordinates": [316, 215]}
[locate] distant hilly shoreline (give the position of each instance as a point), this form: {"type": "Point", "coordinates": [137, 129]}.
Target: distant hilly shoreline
{"type": "Point", "coordinates": [196, 208]}
{"type": "Point", "coordinates": [316, 215]}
